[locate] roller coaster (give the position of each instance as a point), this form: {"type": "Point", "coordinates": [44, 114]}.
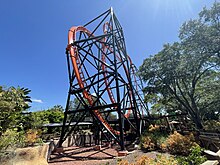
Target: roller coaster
{"type": "Point", "coordinates": [103, 81]}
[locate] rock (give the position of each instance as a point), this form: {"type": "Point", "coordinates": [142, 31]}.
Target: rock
{"type": "Point", "coordinates": [36, 155]}
{"type": "Point", "coordinates": [210, 162]}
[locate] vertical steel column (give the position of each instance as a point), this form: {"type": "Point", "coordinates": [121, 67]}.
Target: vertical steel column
{"type": "Point", "coordinates": [137, 120]}
{"type": "Point", "coordinates": [67, 103]}
{"type": "Point", "coordinates": [117, 86]}
{"type": "Point", "coordinates": [135, 109]}
{"type": "Point", "coordinates": [89, 50]}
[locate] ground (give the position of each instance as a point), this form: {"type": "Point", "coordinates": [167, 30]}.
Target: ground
{"type": "Point", "coordinates": [88, 156]}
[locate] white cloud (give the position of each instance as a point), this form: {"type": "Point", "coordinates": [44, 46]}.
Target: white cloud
{"type": "Point", "coordinates": [37, 101]}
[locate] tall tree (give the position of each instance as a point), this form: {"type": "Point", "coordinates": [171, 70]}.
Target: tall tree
{"type": "Point", "coordinates": [13, 101]}
{"type": "Point", "coordinates": [36, 119]}
{"type": "Point", "coordinates": [185, 74]}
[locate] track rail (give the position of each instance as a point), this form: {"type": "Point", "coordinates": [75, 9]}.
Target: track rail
{"type": "Point", "coordinates": [107, 26]}
{"type": "Point", "coordinates": [79, 73]}
{"type": "Point", "coordinates": [102, 80]}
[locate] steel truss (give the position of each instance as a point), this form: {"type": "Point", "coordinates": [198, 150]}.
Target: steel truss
{"type": "Point", "coordinates": [102, 80]}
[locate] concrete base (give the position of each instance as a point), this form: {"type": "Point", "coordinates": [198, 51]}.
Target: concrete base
{"type": "Point", "coordinates": [36, 155]}
{"type": "Point", "coordinates": [98, 147]}
{"type": "Point", "coordinates": [122, 153]}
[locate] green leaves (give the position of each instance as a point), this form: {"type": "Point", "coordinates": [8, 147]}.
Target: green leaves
{"type": "Point", "coordinates": [185, 75]}
{"type": "Point", "coordinates": [195, 157]}
{"type": "Point", "coordinates": [35, 120]}
{"type": "Point", "coordinates": [12, 102]}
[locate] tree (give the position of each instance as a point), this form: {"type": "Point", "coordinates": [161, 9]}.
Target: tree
{"type": "Point", "coordinates": [185, 75]}
{"type": "Point", "coordinates": [35, 120]}
{"type": "Point", "coordinates": [13, 101]}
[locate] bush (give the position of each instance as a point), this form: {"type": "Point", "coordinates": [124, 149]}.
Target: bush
{"type": "Point", "coordinates": [212, 125]}
{"type": "Point", "coordinates": [11, 139]}
{"type": "Point", "coordinates": [13, 101]}
{"type": "Point", "coordinates": [153, 139]}
{"type": "Point", "coordinates": [32, 137]}
{"type": "Point", "coordinates": [195, 157]}
{"type": "Point", "coordinates": [179, 144]}
{"type": "Point", "coordinates": [147, 142]}
{"type": "Point", "coordinates": [144, 160]}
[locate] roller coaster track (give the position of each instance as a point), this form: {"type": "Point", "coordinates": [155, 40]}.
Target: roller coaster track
{"type": "Point", "coordinates": [111, 96]}
{"type": "Point", "coordinates": [80, 76]}
{"type": "Point", "coordinates": [79, 73]}
{"type": "Point", "coordinates": [99, 67]}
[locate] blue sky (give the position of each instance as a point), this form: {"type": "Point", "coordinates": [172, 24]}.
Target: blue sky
{"type": "Point", "coordinates": [33, 37]}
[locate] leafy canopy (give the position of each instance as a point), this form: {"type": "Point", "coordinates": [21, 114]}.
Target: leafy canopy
{"type": "Point", "coordinates": [185, 75]}
{"type": "Point", "coordinates": [13, 101]}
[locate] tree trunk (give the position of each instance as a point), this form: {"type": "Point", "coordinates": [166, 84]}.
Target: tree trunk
{"type": "Point", "coordinates": [197, 121]}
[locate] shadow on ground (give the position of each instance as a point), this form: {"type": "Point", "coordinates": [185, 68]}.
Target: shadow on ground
{"type": "Point", "coordinates": [82, 154]}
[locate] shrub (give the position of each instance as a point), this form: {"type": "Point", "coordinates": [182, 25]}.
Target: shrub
{"type": "Point", "coordinates": [212, 125]}
{"type": "Point", "coordinates": [32, 137]}
{"type": "Point", "coordinates": [144, 160]}
{"type": "Point", "coordinates": [179, 144]}
{"type": "Point", "coordinates": [154, 128]}
{"type": "Point", "coordinates": [147, 142]}
{"type": "Point", "coordinates": [11, 139]}
{"type": "Point", "coordinates": [123, 162]}
{"type": "Point", "coordinates": [164, 160]}
{"type": "Point", "coordinates": [7, 139]}
{"type": "Point", "coordinates": [6, 155]}
{"type": "Point", "coordinates": [153, 139]}
{"type": "Point", "coordinates": [195, 157]}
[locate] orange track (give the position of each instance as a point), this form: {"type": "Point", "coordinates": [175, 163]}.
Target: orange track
{"type": "Point", "coordinates": [104, 69]}
{"type": "Point", "coordinates": [111, 96]}
{"type": "Point", "coordinates": [79, 74]}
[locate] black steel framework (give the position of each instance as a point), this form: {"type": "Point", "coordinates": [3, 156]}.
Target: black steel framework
{"type": "Point", "coordinates": [107, 83]}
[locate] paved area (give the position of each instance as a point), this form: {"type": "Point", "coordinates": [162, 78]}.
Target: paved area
{"type": "Point", "coordinates": [88, 156]}
{"type": "Point", "coordinates": [82, 156]}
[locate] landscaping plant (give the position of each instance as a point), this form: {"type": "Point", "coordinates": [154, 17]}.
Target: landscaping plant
{"type": "Point", "coordinates": [178, 144]}
{"type": "Point", "coordinates": [153, 138]}
{"type": "Point", "coordinates": [195, 157]}
{"type": "Point", "coordinates": [145, 160]}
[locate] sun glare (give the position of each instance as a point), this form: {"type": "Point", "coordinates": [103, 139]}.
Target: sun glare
{"type": "Point", "coordinates": [176, 7]}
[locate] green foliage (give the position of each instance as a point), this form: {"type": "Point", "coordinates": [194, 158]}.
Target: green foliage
{"type": "Point", "coordinates": [55, 114]}
{"type": "Point", "coordinates": [195, 157]}
{"type": "Point", "coordinates": [153, 138]}
{"type": "Point", "coordinates": [145, 160]}
{"type": "Point", "coordinates": [179, 144]}
{"type": "Point", "coordinates": [11, 139]}
{"type": "Point", "coordinates": [32, 136]}
{"type": "Point", "coordinates": [164, 160]}
{"type": "Point", "coordinates": [212, 125]}
{"type": "Point", "coordinates": [19, 129]}
{"type": "Point", "coordinates": [185, 75]}
{"type": "Point", "coordinates": [13, 101]}
{"type": "Point", "coordinates": [35, 120]}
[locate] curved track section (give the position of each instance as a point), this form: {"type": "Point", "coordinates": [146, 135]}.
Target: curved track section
{"type": "Point", "coordinates": [108, 29]}
{"type": "Point", "coordinates": [103, 87]}
{"type": "Point", "coordinates": [79, 73]}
